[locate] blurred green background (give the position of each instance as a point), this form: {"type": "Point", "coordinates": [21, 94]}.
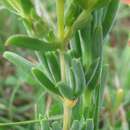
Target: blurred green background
{"type": "Point", "coordinates": [18, 94]}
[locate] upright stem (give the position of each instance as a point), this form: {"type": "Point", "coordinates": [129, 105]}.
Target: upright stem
{"type": "Point", "coordinates": [60, 18]}
{"type": "Point", "coordinates": [67, 117]}
{"type": "Point", "coordinates": [60, 23]}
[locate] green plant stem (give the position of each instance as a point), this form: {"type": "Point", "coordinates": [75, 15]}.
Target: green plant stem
{"type": "Point", "coordinates": [30, 121]}
{"type": "Point", "coordinates": [12, 99]}
{"type": "Point", "coordinates": [20, 123]}
{"type": "Point", "coordinates": [67, 110]}
{"type": "Point", "coordinates": [60, 23]}
{"type": "Point", "coordinates": [67, 117]}
{"type": "Point", "coordinates": [60, 18]}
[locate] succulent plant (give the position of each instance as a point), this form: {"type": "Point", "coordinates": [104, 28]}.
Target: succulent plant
{"type": "Point", "coordinates": [70, 55]}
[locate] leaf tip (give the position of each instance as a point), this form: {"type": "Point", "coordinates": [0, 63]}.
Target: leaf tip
{"type": "Point", "coordinates": [6, 54]}
{"type": "Point", "coordinates": [33, 70]}
{"type": "Point", "coordinates": [7, 42]}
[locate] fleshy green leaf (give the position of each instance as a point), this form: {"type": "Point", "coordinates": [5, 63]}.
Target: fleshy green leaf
{"type": "Point", "coordinates": [65, 90]}
{"type": "Point", "coordinates": [43, 61]}
{"type": "Point", "coordinates": [82, 20]}
{"type": "Point", "coordinates": [18, 61]}
{"type": "Point", "coordinates": [79, 76]}
{"type": "Point", "coordinates": [97, 58]}
{"type": "Point", "coordinates": [110, 16]}
{"type": "Point", "coordinates": [44, 81]}
{"type": "Point", "coordinates": [75, 44]}
{"type": "Point", "coordinates": [70, 80]}
{"type": "Point", "coordinates": [53, 66]}
{"type": "Point", "coordinates": [31, 43]}
{"type": "Point", "coordinates": [72, 12]}
{"type": "Point", "coordinates": [85, 37]}
{"type": "Point", "coordinates": [93, 74]}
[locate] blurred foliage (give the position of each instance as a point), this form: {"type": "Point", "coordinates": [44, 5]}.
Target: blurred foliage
{"type": "Point", "coordinates": [117, 59]}
{"type": "Point", "coordinates": [15, 105]}
{"type": "Point", "coordinates": [17, 95]}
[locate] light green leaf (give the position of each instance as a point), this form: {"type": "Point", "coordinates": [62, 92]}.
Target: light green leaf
{"type": "Point", "coordinates": [82, 20]}
{"type": "Point", "coordinates": [43, 61]}
{"type": "Point", "coordinates": [110, 16]}
{"type": "Point", "coordinates": [31, 43]}
{"type": "Point", "coordinates": [53, 65]}
{"type": "Point", "coordinates": [44, 81]}
{"type": "Point", "coordinates": [70, 80]}
{"type": "Point", "coordinates": [65, 90]}
{"type": "Point", "coordinates": [18, 61]}
{"type": "Point", "coordinates": [72, 12]}
{"type": "Point", "coordinates": [79, 76]}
